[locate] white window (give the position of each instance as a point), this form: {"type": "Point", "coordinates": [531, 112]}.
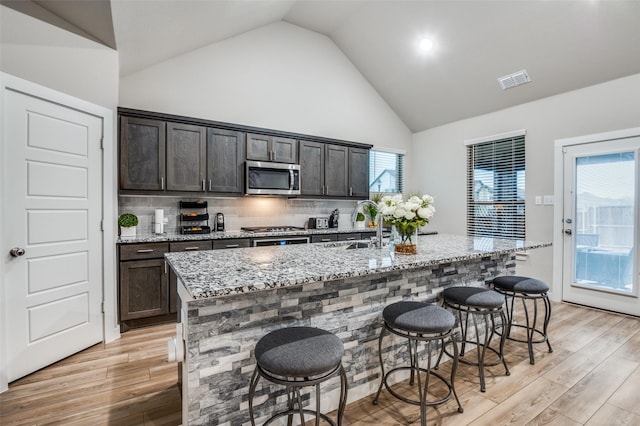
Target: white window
{"type": "Point", "coordinates": [386, 171]}
{"type": "Point", "coordinates": [496, 186]}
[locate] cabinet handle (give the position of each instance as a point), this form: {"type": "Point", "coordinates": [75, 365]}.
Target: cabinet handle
{"type": "Point", "coordinates": [350, 191]}
{"type": "Point", "coordinates": [145, 251]}
{"type": "Point", "coordinates": [191, 248]}
{"type": "Point", "coordinates": [209, 185]}
{"type": "Point", "coordinates": [162, 182]}
{"type": "Point", "coordinates": [165, 267]}
{"type": "Point", "coordinates": [325, 240]}
{"type": "Point", "coordinates": [322, 189]}
{"type": "Point", "coordinates": [203, 187]}
{"type": "Point", "coordinates": [351, 238]}
{"type": "Point", "coordinates": [233, 245]}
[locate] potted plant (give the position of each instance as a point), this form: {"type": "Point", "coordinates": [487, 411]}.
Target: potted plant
{"type": "Point", "coordinates": [128, 223]}
{"type": "Point", "coordinates": [360, 220]}
{"type": "Point", "coordinates": [372, 210]}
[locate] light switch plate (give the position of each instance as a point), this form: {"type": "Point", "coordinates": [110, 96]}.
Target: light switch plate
{"type": "Point", "coordinates": [548, 200]}
{"type": "Point", "coordinates": [538, 200]}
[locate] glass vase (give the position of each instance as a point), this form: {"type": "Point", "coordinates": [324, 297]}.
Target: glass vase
{"type": "Point", "coordinates": [407, 242]}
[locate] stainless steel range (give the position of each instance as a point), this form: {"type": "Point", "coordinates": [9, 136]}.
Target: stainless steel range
{"type": "Point", "coordinates": [276, 240]}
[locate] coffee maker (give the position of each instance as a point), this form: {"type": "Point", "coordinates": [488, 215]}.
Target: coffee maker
{"type": "Point", "coordinates": [219, 225]}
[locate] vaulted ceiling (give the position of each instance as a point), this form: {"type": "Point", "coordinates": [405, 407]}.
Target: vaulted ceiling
{"type": "Point", "coordinates": [563, 45]}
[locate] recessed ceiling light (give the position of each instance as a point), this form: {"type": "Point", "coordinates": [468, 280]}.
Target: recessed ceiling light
{"type": "Point", "coordinates": [425, 44]}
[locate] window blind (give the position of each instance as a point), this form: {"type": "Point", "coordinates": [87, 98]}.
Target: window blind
{"type": "Point", "coordinates": [496, 188]}
{"type": "Point", "coordinates": [386, 171]}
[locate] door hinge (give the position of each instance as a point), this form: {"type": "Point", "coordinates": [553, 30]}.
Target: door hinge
{"type": "Point", "coordinates": [102, 307]}
{"type": "Point", "coordinates": [102, 225]}
{"type": "Point", "coordinates": [102, 142]}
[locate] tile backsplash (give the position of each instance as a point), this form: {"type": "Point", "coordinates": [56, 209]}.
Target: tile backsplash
{"type": "Point", "coordinates": [238, 212]}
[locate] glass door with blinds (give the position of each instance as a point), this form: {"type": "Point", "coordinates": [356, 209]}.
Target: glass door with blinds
{"type": "Point", "coordinates": [600, 225]}
{"type": "Point", "coordinates": [496, 187]}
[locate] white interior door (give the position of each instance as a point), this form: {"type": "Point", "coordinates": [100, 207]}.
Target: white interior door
{"type": "Point", "coordinates": [53, 190]}
{"type": "Point", "coordinates": [600, 243]}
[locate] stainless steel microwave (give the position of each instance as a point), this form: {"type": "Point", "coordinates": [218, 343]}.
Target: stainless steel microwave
{"type": "Point", "coordinates": [265, 178]}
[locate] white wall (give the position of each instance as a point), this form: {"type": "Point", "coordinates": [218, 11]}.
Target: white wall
{"type": "Point", "coordinates": [46, 55]}
{"type": "Point", "coordinates": [439, 155]}
{"type": "Point", "coordinates": [279, 76]}
{"type": "Point", "coordinates": [57, 59]}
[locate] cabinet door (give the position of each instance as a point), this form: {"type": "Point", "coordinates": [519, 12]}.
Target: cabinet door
{"type": "Point", "coordinates": [143, 289]}
{"type": "Point", "coordinates": [225, 161]}
{"type": "Point", "coordinates": [142, 154]}
{"type": "Point", "coordinates": [258, 147]}
{"type": "Point", "coordinates": [311, 168]}
{"type": "Point", "coordinates": [336, 176]}
{"type": "Point", "coordinates": [285, 150]}
{"type": "Point", "coordinates": [186, 154]}
{"type": "Point", "coordinates": [358, 173]}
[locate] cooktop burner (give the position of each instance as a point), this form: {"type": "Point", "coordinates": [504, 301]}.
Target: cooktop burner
{"type": "Point", "coordinates": [272, 228]}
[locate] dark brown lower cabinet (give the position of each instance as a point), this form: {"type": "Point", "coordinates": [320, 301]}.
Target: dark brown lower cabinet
{"type": "Point", "coordinates": [143, 285]}
{"type": "Point", "coordinates": [143, 289]}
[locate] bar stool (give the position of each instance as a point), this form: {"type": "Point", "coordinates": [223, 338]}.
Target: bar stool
{"type": "Point", "coordinates": [475, 302]}
{"type": "Point", "coordinates": [526, 289]}
{"type": "Point", "coordinates": [419, 322]}
{"type": "Point", "coordinates": [297, 357]}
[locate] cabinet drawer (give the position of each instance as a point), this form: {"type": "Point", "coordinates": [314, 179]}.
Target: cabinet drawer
{"type": "Point", "coordinates": [231, 243]}
{"type": "Point", "coordinates": [190, 245]}
{"type": "Point", "coordinates": [324, 238]}
{"type": "Point", "coordinates": [143, 251]}
{"type": "Point", "coordinates": [349, 237]}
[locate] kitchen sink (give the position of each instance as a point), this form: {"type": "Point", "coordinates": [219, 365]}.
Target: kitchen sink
{"type": "Point", "coordinates": [357, 245]}
{"type": "Point", "coordinates": [350, 245]}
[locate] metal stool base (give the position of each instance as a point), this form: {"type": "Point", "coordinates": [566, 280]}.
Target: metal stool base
{"type": "Point", "coordinates": [416, 370]}
{"type": "Point", "coordinates": [481, 348]}
{"type": "Point", "coordinates": [530, 326]}
{"type": "Point", "coordinates": [294, 398]}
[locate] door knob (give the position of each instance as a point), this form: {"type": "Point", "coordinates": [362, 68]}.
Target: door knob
{"type": "Point", "coordinates": [568, 231]}
{"type": "Point", "coordinates": [17, 252]}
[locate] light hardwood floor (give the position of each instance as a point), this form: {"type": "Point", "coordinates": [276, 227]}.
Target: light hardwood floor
{"type": "Point", "coordinates": [591, 378]}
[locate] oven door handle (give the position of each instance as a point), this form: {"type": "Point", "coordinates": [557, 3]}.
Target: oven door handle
{"type": "Point", "coordinates": [291, 179]}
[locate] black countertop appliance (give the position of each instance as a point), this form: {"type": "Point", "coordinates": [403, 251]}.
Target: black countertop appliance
{"type": "Point", "coordinates": [219, 225]}
{"type": "Point", "coordinates": [333, 219]}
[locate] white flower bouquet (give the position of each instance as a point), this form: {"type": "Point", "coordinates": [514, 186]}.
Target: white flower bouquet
{"type": "Point", "coordinates": [407, 216]}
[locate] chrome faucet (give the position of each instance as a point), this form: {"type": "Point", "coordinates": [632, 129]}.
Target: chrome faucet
{"type": "Point", "coordinates": [378, 219]}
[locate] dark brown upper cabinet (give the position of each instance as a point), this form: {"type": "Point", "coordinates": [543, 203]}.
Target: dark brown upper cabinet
{"type": "Point", "coordinates": [225, 161]}
{"type": "Point", "coordinates": [186, 157]}
{"type": "Point", "coordinates": [142, 154]}
{"type": "Point", "coordinates": [311, 168]}
{"type": "Point", "coordinates": [272, 148]}
{"type": "Point", "coordinates": [358, 172]}
{"type": "Point", "coordinates": [336, 170]}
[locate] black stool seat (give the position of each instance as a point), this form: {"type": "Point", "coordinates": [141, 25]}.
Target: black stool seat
{"type": "Point", "coordinates": [418, 317]}
{"type": "Point", "coordinates": [520, 284]}
{"type": "Point", "coordinates": [297, 357]}
{"type": "Point", "coordinates": [473, 296]}
{"type": "Point", "coordinates": [529, 291]}
{"type": "Point", "coordinates": [299, 352]}
{"type": "Point", "coordinates": [484, 303]}
{"type": "Point", "coordinates": [419, 322]}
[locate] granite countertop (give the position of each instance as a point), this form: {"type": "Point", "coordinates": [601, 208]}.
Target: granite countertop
{"type": "Point", "coordinates": [215, 273]}
{"type": "Point", "coordinates": [154, 238]}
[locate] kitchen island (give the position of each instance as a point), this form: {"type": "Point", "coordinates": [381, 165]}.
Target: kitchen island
{"type": "Point", "coordinates": [231, 298]}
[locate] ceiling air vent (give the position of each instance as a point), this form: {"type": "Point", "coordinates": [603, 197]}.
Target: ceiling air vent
{"type": "Point", "coordinates": [513, 80]}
